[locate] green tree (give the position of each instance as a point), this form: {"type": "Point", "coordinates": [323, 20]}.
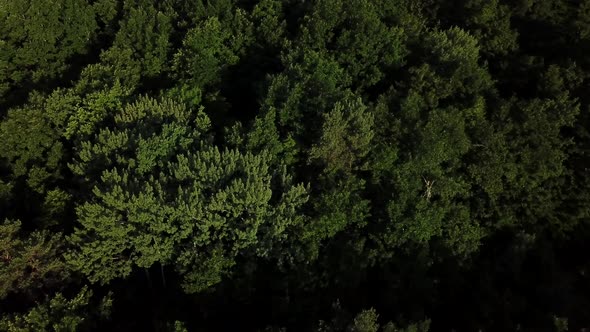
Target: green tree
{"type": "Point", "coordinates": [35, 141]}
{"type": "Point", "coordinates": [522, 163]}
{"type": "Point", "coordinates": [141, 48]}
{"type": "Point", "coordinates": [310, 85]}
{"type": "Point", "coordinates": [488, 21]}
{"type": "Point", "coordinates": [423, 142]}
{"type": "Point", "coordinates": [210, 48]}
{"type": "Point", "coordinates": [31, 263]}
{"type": "Point", "coordinates": [205, 54]}
{"type": "Point", "coordinates": [39, 39]}
{"type": "Point", "coordinates": [346, 138]}
{"type": "Point", "coordinates": [269, 23]}
{"type": "Point", "coordinates": [355, 35]}
{"type": "Point", "coordinates": [32, 145]}
{"type": "Point", "coordinates": [60, 314]}
{"type": "Point", "coordinates": [163, 194]}
{"type": "Point", "coordinates": [365, 321]}
{"type": "Point", "coordinates": [582, 21]}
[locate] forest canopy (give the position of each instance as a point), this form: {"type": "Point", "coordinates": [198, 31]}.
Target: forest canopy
{"type": "Point", "coordinates": [292, 165]}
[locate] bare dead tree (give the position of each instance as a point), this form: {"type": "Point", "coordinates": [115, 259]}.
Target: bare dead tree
{"type": "Point", "coordinates": [428, 191]}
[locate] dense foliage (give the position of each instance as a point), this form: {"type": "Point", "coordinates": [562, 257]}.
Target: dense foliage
{"type": "Point", "coordinates": [292, 165]}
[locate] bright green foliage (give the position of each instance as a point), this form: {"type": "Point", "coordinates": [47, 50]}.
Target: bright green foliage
{"type": "Point", "coordinates": [156, 202]}
{"type": "Point", "coordinates": [228, 202]}
{"type": "Point", "coordinates": [29, 264]}
{"type": "Point", "coordinates": [153, 131]}
{"type": "Point", "coordinates": [59, 314]}
{"type": "Point", "coordinates": [39, 37]}
{"type": "Point", "coordinates": [95, 106]}
{"type": "Point", "coordinates": [147, 135]}
{"type": "Point", "coordinates": [101, 89]}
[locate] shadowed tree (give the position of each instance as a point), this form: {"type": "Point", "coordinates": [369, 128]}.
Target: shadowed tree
{"type": "Point", "coordinates": [39, 38]}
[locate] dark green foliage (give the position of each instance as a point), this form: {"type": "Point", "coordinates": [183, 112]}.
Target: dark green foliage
{"type": "Point", "coordinates": [355, 35]}
{"type": "Point", "coordinates": [346, 138]}
{"type": "Point", "coordinates": [284, 165]}
{"type": "Point", "coordinates": [39, 38]}
{"type": "Point", "coordinates": [60, 314]}
{"type": "Point", "coordinates": [366, 321]}
{"type": "Point", "coordinates": [31, 143]}
{"type": "Point", "coordinates": [141, 45]}
{"type": "Point", "coordinates": [29, 264]}
{"type": "Point", "coordinates": [205, 53]}
{"type": "Point", "coordinates": [210, 48]}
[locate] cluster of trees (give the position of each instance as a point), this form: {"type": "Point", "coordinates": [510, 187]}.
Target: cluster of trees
{"type": "Point", "coordinates": [290, 165]}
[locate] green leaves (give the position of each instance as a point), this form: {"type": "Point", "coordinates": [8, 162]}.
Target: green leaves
{"type": "Point", "coordinates": [529, 167]}
{"type": "Point", "coordinates": [453, 55]}
{"type": "Point", "coordinates": [166, 195]}
{"type": "Point", "coordinates": [346, 138]}
{"type": "Point", "coordinates": [366, 321]}
{"type": "Point", "coordinates": [355, 34]}
{"type": "Point", "coordinates": [289, 153]}
{"type": "Point", "coordinates": [60, 314]}
{"type": "Point", "coordinates": [125, 161]}
{"type": "Point", "coordinates": [31, 146]}
{"type": "Point", "coordinates": [208, 49]}
{"type": "Point", "coordinates": [310, 85]}
{"type": "Point", "coordinates": [269, 22]}
{"type": "Point", "coordinates": [39, 38]}
{"type": "Point", "coordinates": [148, 129]}
{"type": "Point", "coordinates": [30, 264]}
